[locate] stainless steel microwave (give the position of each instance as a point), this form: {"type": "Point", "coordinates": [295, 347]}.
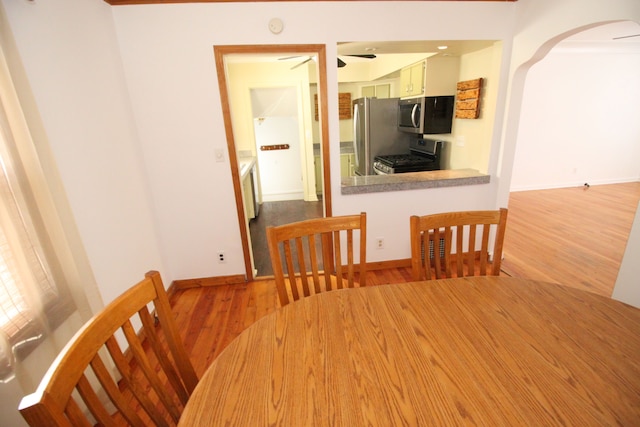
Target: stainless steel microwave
{"type": "Point", "coordinates": [426, 115]}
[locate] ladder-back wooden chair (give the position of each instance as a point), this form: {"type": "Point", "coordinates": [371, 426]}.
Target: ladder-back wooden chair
{"type": "Point", "coordinates": [93, 382]}
{"type": "Point", "coordinates": [462, 247]}
{"type": "Point", "coordinates": [311, 252]}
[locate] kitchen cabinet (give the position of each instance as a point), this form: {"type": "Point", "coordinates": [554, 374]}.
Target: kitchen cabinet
{"type": "Point", "coordinates": [368, 91]}
{"type": "Point", "coordinates": [379, 91]}
{"type": "Point", "coordinates": [247, 190]}
{"type": "Point", "coordinates": [318, 168]}
{"type": "Point", "coordinates": [248, 179]}
{"type": "Point", "coordinates": [412, 80]}
{"type": "Point", "coordinates": [347, 164]}
{"type": "Point", "coordinates": [431, 77]}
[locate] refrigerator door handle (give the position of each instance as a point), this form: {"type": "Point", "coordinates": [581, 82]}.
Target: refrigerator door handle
{"type": "Point", "coordinates": [356, 113]}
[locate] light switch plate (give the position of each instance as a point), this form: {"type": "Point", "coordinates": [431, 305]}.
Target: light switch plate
{"type": "Point", "coordinates": [219, 153]}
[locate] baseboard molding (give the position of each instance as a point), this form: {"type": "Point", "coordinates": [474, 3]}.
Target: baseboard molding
{"type": "Point", "coordinates": [281, 197]}
{"type": "Point", "coordinates": [208, 281]}
{"type": "Point", "coordinates": [178, 285]}
{"type": "Point", "coordinates": [578, 184]}
{"type": "Point", "coordinates": [396, 263]}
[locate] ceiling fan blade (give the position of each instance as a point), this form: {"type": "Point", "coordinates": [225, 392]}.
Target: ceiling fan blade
{"type": "Point", "coordinates": [288, 57]}
{"type": "Point", "coordinates": [626, 37]}
{"type": "Point", "coordinates": [368, 56]}
{"type": "Point", "coordinates": [341, 63]}
{"type": "Point", "coordinates": [302, 63]}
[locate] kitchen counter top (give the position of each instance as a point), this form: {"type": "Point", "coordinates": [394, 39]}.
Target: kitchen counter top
{"type": "Point", "coordinates": [346, 147]}
{"type": "Point", "coordinates": [244, 166]}
{"type": "Point", "coordinates": [412, 181]}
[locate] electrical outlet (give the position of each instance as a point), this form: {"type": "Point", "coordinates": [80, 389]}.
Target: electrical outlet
{"type": "Point", "coordinates": [380, 243]}
{"type": "Point", "coordinates": [221, 257]}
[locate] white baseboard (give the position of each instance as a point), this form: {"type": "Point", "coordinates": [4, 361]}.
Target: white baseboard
{"type": "Point", "coordinates": [279, 197]}
{"type": "Point", "coordinates": [534, 187]}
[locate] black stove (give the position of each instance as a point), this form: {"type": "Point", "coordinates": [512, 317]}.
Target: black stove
{"type": "Point", "coordinates": [424, 155]}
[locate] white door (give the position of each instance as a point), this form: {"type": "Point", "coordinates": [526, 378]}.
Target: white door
{"type": "Point", "coordinates": [278, 145]}
{"type": "Point", "coordinates": [279, 161]}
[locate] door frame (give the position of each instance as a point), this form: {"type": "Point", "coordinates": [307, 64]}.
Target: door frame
{"type": "Point", "coordinates": [319, 51]}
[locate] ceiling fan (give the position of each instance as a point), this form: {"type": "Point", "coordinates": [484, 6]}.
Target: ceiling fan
{"type": "Point", "coordinates": [309, 58]}
{"type": "Point", "coordinates": [626, 37]}
{"type": "Point", "coordinates": [341, 63]}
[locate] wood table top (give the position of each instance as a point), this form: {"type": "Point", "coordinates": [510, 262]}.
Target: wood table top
{"type": "Point", "coordinates": [475, 351]}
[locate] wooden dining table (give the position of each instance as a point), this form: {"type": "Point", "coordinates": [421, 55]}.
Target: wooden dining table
{"type": "Point", "coordinates": [487, 351]}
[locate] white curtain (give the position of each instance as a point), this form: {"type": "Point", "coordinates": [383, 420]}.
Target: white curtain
{"type": "Point", "coordinates": [26, 287]}
{"type": "Point", "coordinates": [38, 312]}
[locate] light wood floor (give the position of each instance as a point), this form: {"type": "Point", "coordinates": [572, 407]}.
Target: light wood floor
{"type": "Point", "coordinates": [572, 236]}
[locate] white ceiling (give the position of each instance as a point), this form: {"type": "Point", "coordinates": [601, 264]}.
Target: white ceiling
{"type": "Point", "coordinates": [454, 47]}
{"type": "Point", "coordinates": [609, 32]}
{"type": "Point", "coordinates": [614, 35]}
{"type": "Point", "coordinates": [618, 37]}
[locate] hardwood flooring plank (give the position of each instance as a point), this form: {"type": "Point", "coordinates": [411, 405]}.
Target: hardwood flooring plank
{"type": "Point", "coordinates": [236, 323]}
{"type": "Point", "coordinates": [212, 332]}
{"type": "Point", "coordinates": [199, 316]}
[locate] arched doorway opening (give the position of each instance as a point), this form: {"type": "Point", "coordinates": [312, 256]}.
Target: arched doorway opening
{"type": "Point", "coordinates": [575, 123]}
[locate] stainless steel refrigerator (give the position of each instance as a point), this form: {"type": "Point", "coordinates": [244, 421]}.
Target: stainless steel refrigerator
{"type": "Point", "coordinates": [375, 132]}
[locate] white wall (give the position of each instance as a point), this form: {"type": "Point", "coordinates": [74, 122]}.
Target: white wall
{"type": "Point", "coordinates": [65, 64]}
{"type": "Point", "coordinates": [470, 141]}
{"type": "Point", "coordinates": [541, 24]}
{"type": "Point", "coordinates": [73, 70]}
{"type": "Point", "coordinates": [579, 119]}
{"type": "Point", "coordinates": [130, 103]}
{"type": "Point", "coordinates": [171, 79]}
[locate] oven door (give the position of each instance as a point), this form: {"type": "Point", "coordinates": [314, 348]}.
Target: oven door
{"type": "Point", "coordinates": [379, 168]}
{"type": "Point", "coordinates": [379, 172]}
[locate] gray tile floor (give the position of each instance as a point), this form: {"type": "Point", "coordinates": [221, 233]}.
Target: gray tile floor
{"type": "Point", "coordinates": [277, 213]}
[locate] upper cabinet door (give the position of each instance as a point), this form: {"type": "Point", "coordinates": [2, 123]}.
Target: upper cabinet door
{"type": "Point", "coordinates": [412, 80]}
{"type": "Point", "coordinates": [435, 76]}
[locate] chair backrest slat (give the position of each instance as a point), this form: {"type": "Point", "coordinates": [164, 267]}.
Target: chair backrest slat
{"type": "Point", "coordinates": [300, 251]}
{"type": "Point", "coordinates": [324, 254]}
{"type": "Point", "coordinates": [484, 254]}
{"type": "Point", "coordinates": [338, 257]}
{"type": "Point", "coordinates": [109, 385]}
{"type": "Point", "coordinates": [327, 258]}
{"type": "Point", "coordinates": [315, 271]}
{"type": "Point", "coordinates": [93, 403]}
{"type": "Point", "coordinates": [433, 234]}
